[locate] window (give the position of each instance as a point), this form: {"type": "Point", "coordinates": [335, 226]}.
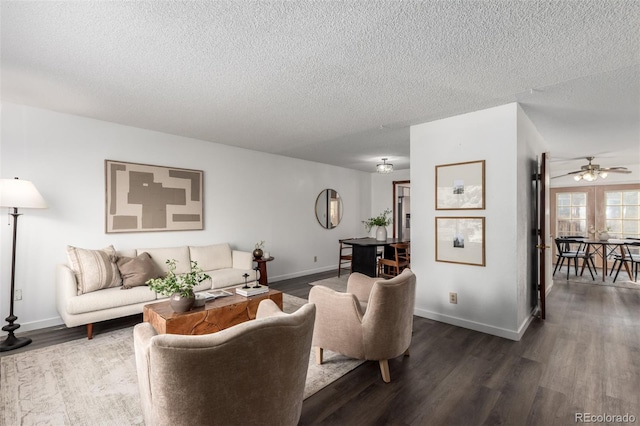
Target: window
{"type": "Point", "coordinates": [622, 213]}
{"type": "Point", "coordinates": [571, 214]}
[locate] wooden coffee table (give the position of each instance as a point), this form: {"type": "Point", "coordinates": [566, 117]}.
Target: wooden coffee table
{"type": "Point", "coordinates": [215, 315]}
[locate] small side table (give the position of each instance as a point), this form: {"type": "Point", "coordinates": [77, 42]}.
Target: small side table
{"type": "Point", "coordinates": [262, 267]}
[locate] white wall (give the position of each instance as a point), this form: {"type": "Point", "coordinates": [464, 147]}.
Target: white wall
{"type": "Point", "coordinates": [249, 196]}
{"type": "Point", "coordinates": [488, 297]}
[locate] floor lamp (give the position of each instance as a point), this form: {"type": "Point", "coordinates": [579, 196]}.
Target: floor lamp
{"type": "Point", "coordinates": [16, 193]}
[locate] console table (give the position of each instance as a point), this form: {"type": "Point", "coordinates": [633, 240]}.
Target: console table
{"type": "Point", "coordinates": [262, 267]}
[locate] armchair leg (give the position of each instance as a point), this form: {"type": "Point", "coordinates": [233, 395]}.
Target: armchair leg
{"type": "Point", "coordinates": [318, 355]}
{"type": "Point", "coordinates": [384, 369]}
{"type": "Point", "coordinates": [90, 331]}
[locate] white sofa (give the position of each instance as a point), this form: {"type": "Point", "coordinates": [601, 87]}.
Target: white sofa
{"type": "Point", "coordinates": [225, 266]}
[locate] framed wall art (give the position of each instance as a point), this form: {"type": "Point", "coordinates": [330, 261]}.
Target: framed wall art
{"type": "Point", "coordinates": [144, 198]}
{"type": "Point", "coordinates": [460, 186]}
{"type": "Point", "coordinates": [460, 240]}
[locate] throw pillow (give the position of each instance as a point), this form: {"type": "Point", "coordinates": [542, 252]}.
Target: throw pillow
{"type": "Point", "coordinates": [94, 269]}
{"type": "Point", "coordinates": [136, 271]}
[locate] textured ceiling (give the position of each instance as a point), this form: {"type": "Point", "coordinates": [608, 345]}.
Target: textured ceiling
{"type": "Point", "coordinates": [333, 82]}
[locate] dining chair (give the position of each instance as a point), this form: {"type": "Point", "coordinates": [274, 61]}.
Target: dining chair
{"type": "Point", "coordinates": [393, 267]}
{"type": "Point", "coordinates": [565, 252]}
{"type": "Point", "coordinates": [346, 255]}
{"type": "Point", "coordinates": [632, 255]}
{"type": "Point", "coordinates": [617, 257]}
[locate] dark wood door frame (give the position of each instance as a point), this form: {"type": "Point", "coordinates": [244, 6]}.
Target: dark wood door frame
{"type": "Point", "coordinates": [541, 246]}
{"type": "Point", "coordinates": [395, 184]}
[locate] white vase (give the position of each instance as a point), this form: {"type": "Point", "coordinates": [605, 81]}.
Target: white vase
{"type": "Point", "coordinates": [603, 236]}
{"type": "Point", "coordinates": [381, 233]}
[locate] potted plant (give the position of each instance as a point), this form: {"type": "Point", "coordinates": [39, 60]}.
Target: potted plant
{"type": "Point", "coordinates": [600, 234]}
{"type": "Point", "coordinates": [257, 252]}
{"type": "Point", "coordinates": [380, 221]}
{"type": "Point", "coordinates": [179, 288]}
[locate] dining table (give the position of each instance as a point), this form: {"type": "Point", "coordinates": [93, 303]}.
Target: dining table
{"type": "Point", "coordinates": [604, 249]}
{"type": "Point", "coordinates": [365, 252]}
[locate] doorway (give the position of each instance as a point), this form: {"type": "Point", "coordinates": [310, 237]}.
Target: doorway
{"type": "Point", "coordinates": [402, 209]}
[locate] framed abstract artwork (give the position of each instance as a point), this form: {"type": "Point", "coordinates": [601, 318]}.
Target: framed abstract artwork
{"type": "Point", "coordinates": [460, 186]}
{"type": "Point", "coordinates": [145, 198]}
{"type": "Point", "coordinates": [460, 240]}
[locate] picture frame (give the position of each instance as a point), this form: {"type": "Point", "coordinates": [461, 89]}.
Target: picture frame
{"type": "Point", "coordinates": [460, 240]}
{"type": "Point", "coordinates": [148, 198]}
{"type": "Point", "coordinates": [460, 186]}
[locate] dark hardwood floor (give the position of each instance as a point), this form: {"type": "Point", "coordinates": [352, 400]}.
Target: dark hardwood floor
{"type": "Point", "coordinates": [584, 358]}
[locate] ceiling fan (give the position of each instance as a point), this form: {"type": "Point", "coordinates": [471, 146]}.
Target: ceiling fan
{"type": "Point", "coordinates": [591, 172]}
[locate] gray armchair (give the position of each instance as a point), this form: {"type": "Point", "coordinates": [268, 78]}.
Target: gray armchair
{"type": "Point", "coordinates": [373, 320]}
{"type": "Point", "coordinates": [253, 373]}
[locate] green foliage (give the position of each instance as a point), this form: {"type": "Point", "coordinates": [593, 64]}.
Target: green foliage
{"type": "Point", "coordinates": [380, 220]}
{"type": "Point", "coordinates": [260, 245]}
{"type": "Point", "coordinates": [182, 284]}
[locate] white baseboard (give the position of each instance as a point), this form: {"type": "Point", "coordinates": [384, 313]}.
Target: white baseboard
{"type": "Point", "coordinates": [37, 325]}
{"type": "Point", "coordinates": [527, 321]}
{"type": "Point", "coordinates": [548, 288]}
{"type": "Point", "coordinates": [476, 326]}
{"type": "Point", "coordinates": [302, 273]}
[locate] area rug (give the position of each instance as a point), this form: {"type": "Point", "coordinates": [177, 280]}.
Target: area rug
{"type": "Point", "coordinates": [623, 280]}
{"type": "Point", "coordinates": [94, 382]}
{"type": "Point", "coordinates": [335, 283]}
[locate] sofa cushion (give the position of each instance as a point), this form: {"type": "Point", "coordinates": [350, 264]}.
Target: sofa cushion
{"type": "Point", "coordinates": [137, 270]}
{"type": "Point", "coordinates": [161, 255]}
{"type": "Point", "coordinates": [242, 259]}
{"type": "Point", "coordinates": [212, 257]}
{"type": "Point", "coordinates": [109, 298]}
{"type": "Point", "coordinates": [227, 277]}
{"type": "Point", "coordinates": [94, 269]}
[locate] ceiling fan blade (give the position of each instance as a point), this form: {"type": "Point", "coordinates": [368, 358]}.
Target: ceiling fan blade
{"type": "Point", "coordinates": [567, 174]}
{"type": "Point", "coordinates": [614, 169]}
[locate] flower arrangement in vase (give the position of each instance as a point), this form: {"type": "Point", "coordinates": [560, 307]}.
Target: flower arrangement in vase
{"type": "Point", "coordinates": [600, 234]}
{"type": "Point", "coordinates": [179, 288]}
{"type": "Point", "coordinates": [381, 222]}
{"type": "Point", "coordinates": [257, 252]}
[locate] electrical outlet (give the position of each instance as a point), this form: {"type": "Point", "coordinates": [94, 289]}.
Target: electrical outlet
{"type": "Point", "coordinates": [17, 294]}
{"type": "Point", "coordinates": [453, 298]}
{"type": "Point", "coordinates": [315, 258]}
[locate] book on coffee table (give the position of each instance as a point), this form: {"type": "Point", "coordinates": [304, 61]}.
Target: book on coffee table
{"type": "Point", "coordinates": [215, 294]}
{"type": "Point", "coordinates": [252, 291]}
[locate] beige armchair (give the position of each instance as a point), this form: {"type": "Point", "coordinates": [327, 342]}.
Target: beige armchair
{"type": "Point", "coordinates": [253, 373]}
{"type": "Point", "coordinates": [373, 320]}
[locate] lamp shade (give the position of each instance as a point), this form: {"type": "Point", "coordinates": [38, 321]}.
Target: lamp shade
{"type": "Point", "coordinates": [20, 194]}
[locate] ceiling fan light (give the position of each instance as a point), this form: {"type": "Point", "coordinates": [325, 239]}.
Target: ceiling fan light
{"type": "Point", "coordinates": [577, 178]}
{"type": "Point", "coordinates": [604, 175]}
{"type": "Point", "coordinates": [589, 177]}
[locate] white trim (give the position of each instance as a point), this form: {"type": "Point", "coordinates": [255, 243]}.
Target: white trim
{"type": "Point", "coordinates": [37, 325]}
{"type": "Point", "coordinates": [483, 328]}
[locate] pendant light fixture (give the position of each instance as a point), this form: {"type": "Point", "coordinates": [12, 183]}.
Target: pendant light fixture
{"type": "Point", "coordinates": [384, 167]}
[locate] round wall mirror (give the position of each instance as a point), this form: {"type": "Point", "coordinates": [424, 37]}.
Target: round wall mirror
{"type": "Point", "coordinates": [329, 208]}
